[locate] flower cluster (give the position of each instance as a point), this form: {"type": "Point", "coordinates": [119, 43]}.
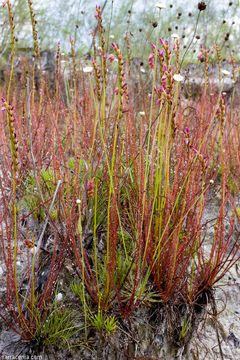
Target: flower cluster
{"type": "Point", "coordinates": [12, 134]}
{"type": "Point", "coordinates": [203, 57]}
{"type": "Point", "coordinates": [98, 16]}
{"type": "Point", "coordinates": [176, 48]}
{"type": "Point", "coordinates": [73, 59]}
{"type": "Point", "coordinates": [233, 63]}
{"type": "Point", "coordinates": [122, 86]}
{"type": "Point", "coordinates": [165, 47]}
{"type": "Point", "coordinates": [151, 60]}
{"type": "Point", "coordinates": [165, 91]}
{"type": "Point", "coordinates": [201, 158]}
{"type": "Point", "coordinates": [90, 188]}
{"type": "Point", "coordinates": [97, 77]}
{"type": "Point", "coordinates": [221, 113]}
{"type": "Point", "coordinates": [34, 29]}
{"type": "Point", "coordinates": [187, 135]}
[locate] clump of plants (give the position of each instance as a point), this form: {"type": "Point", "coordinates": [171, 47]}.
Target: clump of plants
{"type": "Point", "coordinates": [120, 188]}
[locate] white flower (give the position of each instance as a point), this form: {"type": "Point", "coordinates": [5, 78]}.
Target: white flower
{"type": "Point", "coordinates": [178, 77]}
{"type": "Point", "coordinates": [160, 6]}
{"type": "Point", "coordinates": [111, 37]}
{"type": "Point", "coordinates": [59, 297]}
{"type": "Point", "coordinates": [142, 113]}
{"type": "Point", "coordinates": [78, 201]}
{"type": "Point", "coordinates": [211, 181]}
{"type": "Point", "coordinates": [87, 69]}
{"type": "Point", "coordinates": [226, 72]}
{"type": "Point", "coordinates": [174, 36]}
{"type": "Point", "coordinates": [142, 70]}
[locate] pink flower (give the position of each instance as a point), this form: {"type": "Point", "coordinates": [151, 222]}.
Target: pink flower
{"type": "Point", "coordinates": [200, 56]}
{"type": "Point", "coordinates": [161, 41]}
{"type": "Point", "coordinates": [98, 12]}
{"type": "Point", "coordinates": [162, 89]}
{"type": "Point", "coordinates": [161, 52]}
{"type": "Point", "coordinates": [151, 60]}
{"type": "Point", "coordinates": [4, 3]}
{"type": "Point", "coordinates": [153, 46]}
{"type": "Point", "coordinates": [115, 46]}
{"type": "Point", "coordinates": [111, 57]}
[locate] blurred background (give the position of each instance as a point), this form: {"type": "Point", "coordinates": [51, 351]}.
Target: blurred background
{"type": "Point", "coordinates": [57, 20]}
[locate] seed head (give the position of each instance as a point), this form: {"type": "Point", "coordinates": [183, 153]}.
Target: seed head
{"type": "Point", "coordinates": [201, 6]}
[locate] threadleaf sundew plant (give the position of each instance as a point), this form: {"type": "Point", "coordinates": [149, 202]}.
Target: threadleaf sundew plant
{"type": "Point", "coordinates": [119, 197]}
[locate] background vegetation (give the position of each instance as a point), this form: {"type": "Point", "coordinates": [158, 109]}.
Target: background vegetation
{"type": "Point", "coordinates": [60, 19]}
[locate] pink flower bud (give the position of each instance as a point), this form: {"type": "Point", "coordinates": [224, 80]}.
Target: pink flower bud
{"type": "Point", "coordinates": [111, 57]}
